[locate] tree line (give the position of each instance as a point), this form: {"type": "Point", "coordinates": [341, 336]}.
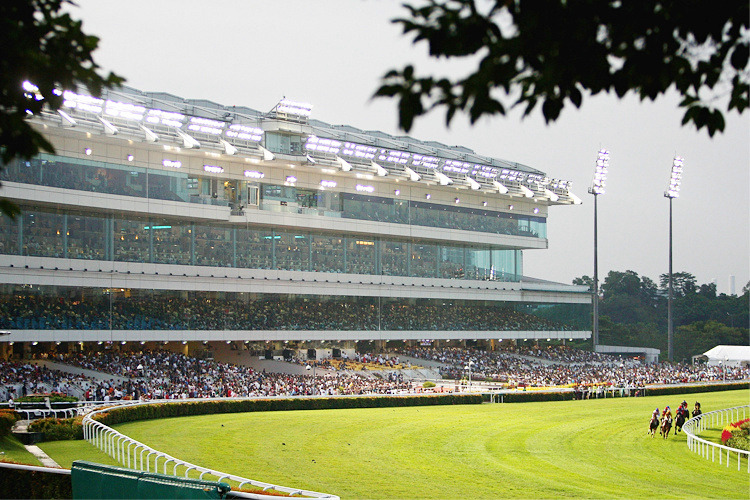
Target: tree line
{"type": "Point", "coordinates": [633, 312]}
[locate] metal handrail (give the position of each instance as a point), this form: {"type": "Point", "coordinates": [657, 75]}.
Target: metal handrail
{"type": "Point", "coordinates": [93, 430]}
{"type": "Point", "coordinates": [702, 446]}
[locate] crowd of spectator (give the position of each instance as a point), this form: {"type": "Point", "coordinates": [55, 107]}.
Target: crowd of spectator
{"type": "Point", "coordinates": [169, 375]}
{"type": "Point", "coordinates": [161, 374]}
{"type": "Point", "coordinates": [564, 366]}
{"type": "Point", "coordinates": [165, 312]}
{"type": "Point", "coordinates": [17, 379]}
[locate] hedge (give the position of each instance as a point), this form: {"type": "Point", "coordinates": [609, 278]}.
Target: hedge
{"type": "Point", "coordinates": [15, 483]}
{"type": "Point", "coordinates": [58, 429]}
{"type": "Point", "coordinates": [166, 410]}
{"type": "Point", "coordinates": [685, 389]}
{"type": "Point", "coordinates": [8, 418]}
{"type": "Point", "coordinates": [54, 397]}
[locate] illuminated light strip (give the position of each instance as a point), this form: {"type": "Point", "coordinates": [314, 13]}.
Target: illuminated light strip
{"type": "Point", "coordinates": [156, 227]}
{"type": "Point", "coordinates": [294, 108]}
{"type": "Point", "coordinates": [213, 169]}
{"type": "Point", "coordinates": [365, 189]}
{"type": "Point", "coordinates": [328, 184]}
{"type": "Point", "coordinates": [171, 163]}
{"type": "Point", "coordinates": [254, 174]}
{"type": "Point", "coordinates": [124, 110]}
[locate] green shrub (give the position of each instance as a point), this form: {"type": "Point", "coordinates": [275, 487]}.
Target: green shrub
{"type": "Point", "coordinates": [428, 385]}
{"type": "Point", "coordinates": [58, 429]}
{"type": "Point", "coordinates": [7, 421]}
{"type": "Point", "coordinates": [16, 483]}
{"type": "Point", "coordinates": [685, 389]}
{"type": "Point", "coordinates": [54, 397]}
{"type": "Point", "coordinates": [166, 410]}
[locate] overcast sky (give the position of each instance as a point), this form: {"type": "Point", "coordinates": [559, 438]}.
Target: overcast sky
{"type": "Point", "coordinates": [332, 54]}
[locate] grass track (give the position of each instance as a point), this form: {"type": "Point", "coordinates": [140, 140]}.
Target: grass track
{"type": "Point", "coordinates": [572, 449]}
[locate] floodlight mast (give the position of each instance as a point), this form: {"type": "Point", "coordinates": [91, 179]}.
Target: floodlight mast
{"type": "Point", "coordinates": [598, 185]}
{"type": "Point", "coordinates": [673, 191]}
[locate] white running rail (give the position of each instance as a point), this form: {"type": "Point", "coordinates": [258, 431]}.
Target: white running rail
{"type": "Point", "coordinates": [714, 419]}
{"type": "Point", "coordinates": [135, 455]}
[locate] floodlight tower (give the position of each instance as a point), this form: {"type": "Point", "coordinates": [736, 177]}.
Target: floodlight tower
{"type": "Point", "coordinates": [672, 192]}
{"type": "Point", "coordinates": [597, 187]}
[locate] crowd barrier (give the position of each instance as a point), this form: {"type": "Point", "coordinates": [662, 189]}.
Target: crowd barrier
{"type": "Point", "coordinates": [708, 449]}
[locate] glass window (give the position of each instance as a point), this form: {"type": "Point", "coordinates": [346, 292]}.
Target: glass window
{"type": "Point", "coordinates": [9, 235]}
{"type": "Point", "coordinates": [255, 248]}
{"type": "Point", "coordinates": [451, 265]}
{"type": "Point", "coordinates": [423, 260]}
{"type": "Point", "coordinates": [478, 264]}
{"type": "Point", "coordinates": [43, 234]}
{"type": "Point", "coordinates": [327, 253]}
{"type": "Point", "coordinates": [131, 240]}
{"type": "Point", "coordinates": [86, 237]}
{"type": "Point", "coordinates": [292, 251]}
{"type": "Point", "coordinates": [360, 255]}
{"type": "Point", "coordinates": [172, 241]}
{"type": "Point", "coordinates": [393, 258]}
{"type": "Point", "coordinates": [213, 246]}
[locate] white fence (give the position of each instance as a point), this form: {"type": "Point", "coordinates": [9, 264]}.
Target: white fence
{"type": "Point", "coordinates": [708, 449]}
{"type": "Point", "coordinates": [135, 455]}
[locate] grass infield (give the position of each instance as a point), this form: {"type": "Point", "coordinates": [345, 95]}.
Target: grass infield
{"type": "Point", "coordinates": [574, 449]}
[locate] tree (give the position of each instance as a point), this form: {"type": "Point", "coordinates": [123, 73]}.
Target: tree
{"type": "Point", "coordinates": [682, 283]}
{"type": "Point", "coordinates": [555, 52]}
{"type": "Point", "coordinates": [44, 46]}
{"type": "Point", "coordinates": [585, 280]}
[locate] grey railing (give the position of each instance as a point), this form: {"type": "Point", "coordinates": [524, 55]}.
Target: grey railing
{"type": "Point", "coordinates": [711, 450]}
{"type": "Point", "coordinates": [136, 455]}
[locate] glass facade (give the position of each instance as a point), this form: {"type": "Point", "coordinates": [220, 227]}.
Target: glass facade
{"type": "Point", "coordinates": [62, 234]}
{"type": "Point", "coordinates": [96, 176]}
{"type": "Point", "coordinates": [69, 308]}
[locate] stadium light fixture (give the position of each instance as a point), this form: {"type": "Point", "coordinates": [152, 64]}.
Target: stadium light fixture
{"type": "Point", "coordinates": [187, 141]}
{"type": "Point", "coordinates": [598, 184]}
{"type": "Point", "coordinates": [551, 195]}
{"type": "Point", "coordinates": [382, 172]}
{"type": "Point", "coordinates": [413, 176]}
{"type": "Point", "coordinates": [108, 127]}
{"type": "Point", "coordinates": [473, 184]}
{"type": "Point", "coordinates": [500, 187]}
{"type": "Point", "coordinates": [672, 192]}
{"type": "Point", "coordinates": [228, 148]}
{"type": "Point", "coordinates": [150, 135]}
{"type": "Point", "coordinates": [67, 120]}
{"type": "Point", "coordinates": [343, 164]}
{"type": "Point", "coordinates": [267, 155]}
{"type": "Point", "coordinates": [443, 179]}
{"type": "Point", "coordinates": [528, 193]}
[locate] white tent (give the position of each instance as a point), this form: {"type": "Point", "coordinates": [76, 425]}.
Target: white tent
{"type": "Point", "coordinates": [728, 355]}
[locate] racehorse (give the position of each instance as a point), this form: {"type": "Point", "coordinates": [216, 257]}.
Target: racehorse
{"type": "Point", "coordinates": [653, 424]}
{"type": "Point", "coordinates": [682, 414]}
{"type": "Point", "coordinates": [666, 426]}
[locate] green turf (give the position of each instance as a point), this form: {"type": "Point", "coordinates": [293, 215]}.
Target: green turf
{"type": "Point", "coordinates": [11, 449]}
{"type": "Point", "coordinates": [574, 449]}
{"type": "Point", "coordinates": [65, 452]}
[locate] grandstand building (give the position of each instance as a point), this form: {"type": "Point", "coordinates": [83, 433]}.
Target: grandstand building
{"type": "Point", "coordinates": [162, 219]}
